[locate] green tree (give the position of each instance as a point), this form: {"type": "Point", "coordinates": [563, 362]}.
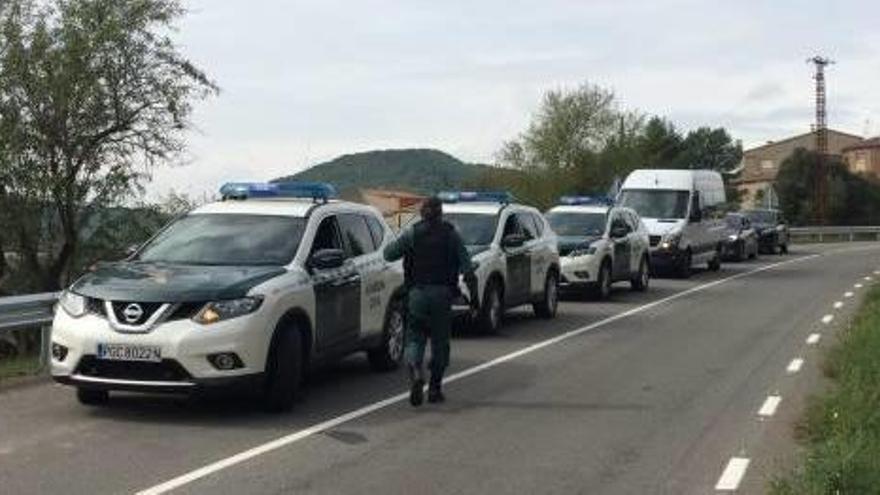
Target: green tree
{"type": "Point", "coordinates": [852, 199]}
{"type": "Point", "coordinates": [659, 144]}
{"type": "Point", "coordinates": [709, 148]}
{"type": "Point", "coordinates": [93, 95]}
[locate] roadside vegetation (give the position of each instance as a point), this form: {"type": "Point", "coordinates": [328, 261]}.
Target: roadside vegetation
{"type": "Point", "coordinates": [22, 365]}
{"type": "Point", "coordinates": [841, 429]}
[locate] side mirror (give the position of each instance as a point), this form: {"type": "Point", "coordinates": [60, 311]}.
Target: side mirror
{"type": "Point", "coordinates": [696, 216]}
{"type": "Point", "coordinates": [513, 241]}
{"type": "Point", "coordinates": [618, 231]}
{"type": "Point", "coordinates": [326, 259]}
{"type": "Point", "coordinates": [131, 250]}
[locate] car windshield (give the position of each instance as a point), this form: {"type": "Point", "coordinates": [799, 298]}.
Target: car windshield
{"type": "Point", "coordinates": [762, 216]}
{"type": "Point", "coordinates": [227, 239]}
{"type": "Point", "coordinates": [475, 229]}
{"type": "Point", "coordinates": [656, 203]}
{"type": "Point", "coordinates": [733, 221]}
{"type": "Point", "coordinates": [577, 224]}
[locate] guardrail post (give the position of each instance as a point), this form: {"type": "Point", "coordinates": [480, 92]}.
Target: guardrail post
{"type": "Point", "coordinates": [851, 236]}
{"type": "Point", "coordinates": [820, 236]}
{"type": "Point", "coordinates": [45, 344]}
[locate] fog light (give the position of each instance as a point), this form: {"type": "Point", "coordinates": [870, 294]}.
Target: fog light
{"type": "Point", "coordinates": [225, 361]}
{"type": "Point", "coordinates": [59, 352]}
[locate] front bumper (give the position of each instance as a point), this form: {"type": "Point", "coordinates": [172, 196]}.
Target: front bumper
{"type": "Point", "coordinates": [184, 346]}
{"type": "Point", "coordinates": [666, 258]}
{"type": "Point", "coordinates": [578, 271]}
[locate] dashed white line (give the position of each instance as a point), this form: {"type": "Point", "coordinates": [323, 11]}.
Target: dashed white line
{"type": "Point", "coordinates": [838, 304]}
{"type": "Point", "coordinates": [868, 279]}
{"type": "Point", "coordinates": [827, 319]}
{"type": "Point", "coordinates": [847, 294]}
{"type": "Point", "coordinates": [769, 407]}
{"type": "Point", "coordinates": [794, 366]}
{"type": "Point", "coordinates": [876, 272]}
{"type": "Point", "coordinates": [296, 436]}
{"type": "Point", "coordinates": [858, 286]}
{"type": "Point", "coordinates": [813, 339]}
{"type": "Point", "coordinates": [733, 474]}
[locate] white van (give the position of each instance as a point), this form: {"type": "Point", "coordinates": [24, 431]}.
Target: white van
{"type": "Point", "coordinates": [680, 209]}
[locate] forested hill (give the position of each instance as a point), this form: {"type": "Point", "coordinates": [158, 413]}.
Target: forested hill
{"type": "Point", "coordinates": [415, 170]}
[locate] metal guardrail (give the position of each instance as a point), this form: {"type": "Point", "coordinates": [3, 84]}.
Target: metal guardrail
{"type": "Point", "coordinates": [835, 233]}
{"type": "Point", "coordinates": [31, 312]}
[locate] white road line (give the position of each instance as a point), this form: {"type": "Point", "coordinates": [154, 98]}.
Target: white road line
{"type": "Point", "coordinates": [876, 272]}
{"type": "Point", "coordinates": [827, 319]}
{"type": "Point", "coordinates": [847, 294]}
{"type": "Point", "coordinates": [838, 304]}
{"type": "Point", "coordinates": [733, 474]}
{"type": "Point", "coordinates": [813, 339]}
{"type": "Point", "coordinates": [858, 286]}
{"type": "Point", "coordinates": [794, 366]}
{"type": "Point", "coordinates": [868, 279]}
{"type": "Point", "coordinates": [296, 436]}
{"type": "Point", "coordinates": [769, 407]}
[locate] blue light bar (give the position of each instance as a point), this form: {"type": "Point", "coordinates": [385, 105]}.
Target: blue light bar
{"type": "Point", "coordinates": [246, 190]}
{"type": "Point", "coordinates": [586, 200]}
{"type": "Point", "coordinates": [503, 197]}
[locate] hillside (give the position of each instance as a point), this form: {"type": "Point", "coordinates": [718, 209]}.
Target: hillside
{"type": "Point", "coordinates": [415, 170]}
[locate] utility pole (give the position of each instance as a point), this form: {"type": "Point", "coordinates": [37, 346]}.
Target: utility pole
{"type": "Point", "coordinates": [821, 184]}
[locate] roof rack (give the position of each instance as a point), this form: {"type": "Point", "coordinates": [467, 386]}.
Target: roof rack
{"type": "Point", "coordinates": [502, 197]}
{"type": "Point", "coordinates": [316, 191]}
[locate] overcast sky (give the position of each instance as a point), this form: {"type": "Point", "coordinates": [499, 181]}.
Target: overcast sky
{"type": "Point", "coordinates": [305, 81]}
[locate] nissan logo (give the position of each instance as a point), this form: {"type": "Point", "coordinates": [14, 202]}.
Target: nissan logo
{"type": "Point", "coordinates": [133, 312]}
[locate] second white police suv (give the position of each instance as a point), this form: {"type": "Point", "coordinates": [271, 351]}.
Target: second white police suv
{"type": "Point", "coordinates": [515, 250]}
{"type": "Point", "coordinates": [600, 244]}
{"type": "Point", "coordinates": [249, 291]}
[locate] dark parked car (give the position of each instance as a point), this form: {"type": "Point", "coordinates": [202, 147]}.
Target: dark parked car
{"type": "Point", "coordinates": [740, 238]}
{"type": "Point", "coordinates": [772, 230]}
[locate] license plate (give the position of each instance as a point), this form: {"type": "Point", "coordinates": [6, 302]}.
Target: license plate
{"type": "Point", "coordinates": [125, 352]}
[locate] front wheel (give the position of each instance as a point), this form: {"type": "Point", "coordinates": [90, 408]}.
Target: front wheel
{"type": "Point", "coordinates": [547, 307]}
{"type": "Point", "coordinates": [284, 371]}
{"type": "Point", "coordinates": [602, 289]}
{"type": "Point", "coordinates": [642, 278]}
{"type": "Point", "coordinates": [89, 397]}
{"type": "Point", "coordinates": [684, 268]}
{"type": "Point", "coordinates": [388, 355]}
{"type": "Point", "coordinates": [715, 263]}
{"type": "Point", "coordinates": [492, 309]}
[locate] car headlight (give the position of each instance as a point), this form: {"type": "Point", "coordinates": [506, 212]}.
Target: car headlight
{"type": "Point", "coordinates": [582, 251]}
{"type": "Point", "coordinates": [226, 310]}
{"type": "Point", "coordinates": [671, 241]}
{"type": "Point", "coordinates": [733, 237]}
{"type": "Point", "coordinates": [73, 304]}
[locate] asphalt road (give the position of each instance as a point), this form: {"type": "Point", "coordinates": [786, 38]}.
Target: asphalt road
{"type": "Point", "coordinates": [648, 393]}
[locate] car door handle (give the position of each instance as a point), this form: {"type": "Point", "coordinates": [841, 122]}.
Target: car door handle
{"type": "Point", "coordinates": [347, 280]}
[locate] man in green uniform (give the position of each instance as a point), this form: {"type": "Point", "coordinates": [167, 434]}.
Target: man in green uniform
{"type": "Point", "coordinates": [434, 256]}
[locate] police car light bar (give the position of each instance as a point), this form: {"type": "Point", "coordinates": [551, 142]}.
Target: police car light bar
{"type": "Point", "coordinates": [586, 200]}
{"type": "Point", "coordinates": [310, 190]}
{"type": "Point", "coordinates": [503, 197]}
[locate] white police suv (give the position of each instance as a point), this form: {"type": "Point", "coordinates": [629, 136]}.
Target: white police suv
{"type": "Point", "coordinates": [515, 251]}
{"type": "Point", "coordinates": [600, 244]}
{"type": "Point", "coordinates": [248, 291]}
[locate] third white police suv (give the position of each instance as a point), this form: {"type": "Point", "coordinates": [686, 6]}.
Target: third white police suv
{"type": "Point", "coordinates": [247, 291]}
{"type": "Point", "coordinates": [599, 244]}
{"type": "Point", "coordinates": [682, 211]}
{"type": "Point", "coordinates": [516, 252]}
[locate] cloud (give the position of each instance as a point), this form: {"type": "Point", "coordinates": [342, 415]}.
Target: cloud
{"type": "Point", "coordinates": [305, 81]}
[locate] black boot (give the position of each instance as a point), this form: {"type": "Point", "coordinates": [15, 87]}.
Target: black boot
{"type": "Point", "coordinates": [416, 388]}
{"type": "Point", "coordinates": [435, 391]}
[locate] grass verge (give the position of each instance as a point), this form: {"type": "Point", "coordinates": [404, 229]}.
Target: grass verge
{"type": "Point", "coordinates": [841, 428]}
{"type": "Point", "coordinates": [19, 366]}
